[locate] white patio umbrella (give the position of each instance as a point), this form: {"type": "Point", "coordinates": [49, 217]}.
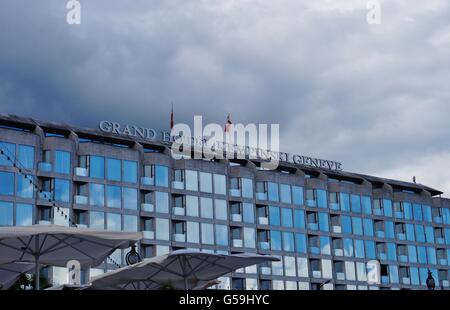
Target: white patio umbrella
{"type": "Point", "coordinates": [183, 269]}
{"type": "Point", "coordinates": [57, 245]}
{"type": "Point", "coordinates": [9, 273]}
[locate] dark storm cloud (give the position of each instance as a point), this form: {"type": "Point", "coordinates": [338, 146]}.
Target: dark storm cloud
{"type": "Point", "coordinates": [374, 97]}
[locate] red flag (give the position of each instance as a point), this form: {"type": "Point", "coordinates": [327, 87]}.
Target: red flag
{"type": "Point", "coordinates": [171, 118]}
{"type": "Point", "coordinates": [228, 124]}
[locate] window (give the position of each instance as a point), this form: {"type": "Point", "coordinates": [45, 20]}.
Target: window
{"type": "Point", "coordinates": [302, 267]}
{"type": "Point", "coordinates": [162, 202]}
{"type": "Point", "coordinates": [24, 214]}
{"type": "Point", "coordinates": [62, 190]}
{"type": "Point", "coordinates": [161, 176]}
{"type": "Point", "coordinates": [25, 156]}
{"type": "Point", "coordinates": [346, 224]}
{"type": "Point", "coordinates": [289, 268]}
{"type": "Point", "coordinates": [273, 191]}
{"type": "Point", "coordinates": [297, 195]}
{"type": "Point", "coordinates": [9, 150]}
{"type": "Point", "coordinates": [407, 209]}
{"type": "Point", "coordinates": [206, 207]}
{"type": "Point", "coordinates": [370, 249]}
{"type": "Point", "coordinates": [417, 211]}
{"type": "Point", "coordinates": [97, 167]}
{"type": "Point", "coordinates": [322, 199]}
{"type": "Point", "coordinates": [97, 220]}
{"type": "Point", "coordinates": [130, 223]}
{"type": "Point", "coordinates": [420, 233]}
{"type": "Point", "coordinates": [300, 243]}
{"type": "Point", "coordinates": [113, 169]}
{"type": "Point", "coordinates": [6, 213]}
{"type": "Point", "coordinates": [162, 229]}
{"type": "Point", "coordinates": [326, 269]}
{"type": "Point", "coordinates": [274, 216]}
{"type": "Point", "coordinates": [285, 193]}
{"type": "Point", "coordinates": [391, 251]}
{"type": "Point", "coordinates": [344, 200]}
{"type": "Point", "coordinates": [113, 196]}
{"type": "Point", "coordinates": [205, 182]}
{"type": "Point", "coordinates": [191, 180]}
{"type": "Point", "coordinates": [207, 233]}
{"type": "Point", "coordinates": [350, 272]}
{"type": "Point", "coordinates": [325, 246]}
{"type": "Point", "coordinates": [356, 203]}
{"type": "Point", "coordinates": [288, 241]}
{"type": "Point", "coordinates": [220, 184]}
{"type": "Point", "coordinates": [357, 226]}
{"type": "Point", "coordinates": [24, 187]}
{"type": "Point", "coordinates": [286, 217]}
{"type": "Point", "coordinates": [367, 205]}
{"type": "Point", "coordinates": [130, 171]}
{"type": "Point", "coordinates": [275, 240]}
{"type": "Point", "coordinates": [192, 206]}
{"type": "Point", "coordinates": [348, 247]}
{"type": "Point", "coordinates": [249, 238]}
{"type": "Point", "coordinates": [387, 206]}
{"type": "Point", "coordinates": [248, 213]}
{"type": "Point", "coordinates": [389, 227]}
{"type": "Point", "coordinates": [130, 200]}
{"type": "Point", "coordinates": [431, 254]}
{"type": "Point", "coordinates": [427, 216]}
{"type": "Point", "coordinates": [62, 162]}
{"type": "Point", "coordinates": [193, 232]}
{"type": "Point", "coordinates": [368, 227]}
{"type": "Point", "coordinates": [221, 209]}
{"type": "Point", "coordinates": [422, 254]}
{"type": "Point", "coordinates": [299, 219]}
{"type": "Point", "coordinates": [7, 183]}
{"type": "Point", "coordinates": [359, 248]}
{"type": "Point", "coordinates": [409, 232]}
{"type": "Point", "coordinates": [114, 221]}
{"type": "Point", "coordinates": [222, 235]}
{"type": "Point", "coordinates": [323, 221]}
{"type": "Point", "coordinates": [247, 188]}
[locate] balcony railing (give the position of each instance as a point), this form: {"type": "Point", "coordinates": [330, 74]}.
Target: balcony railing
{"type": "Point", "coordinates": [235, 192]}
{"type": "Point", "coordinates": [237, 243]}
{"type": "Point", "coordinates": [264, 245]}
{"type": "Point", "coordinates": [340, 276]}
{"type": "Point", "coordinates": [81, 172]}
{"type": "Point", "coordinates": [261, 196]}
{"type": "Point", "coordinates": [382, 256]}
{"type": "Point", "coordinates": [406, 281]}
{"type": "Point", "coordinates": [385, 279]}
{"type": "Point", "coordinates": [178, 211]}
{"type": "Point", "coordinates": [438, 219]}
{"type": "Point", "coordinates": [378, 212]}
{"type": "Point", "coordinates": [265, 270]}
{"type": "Point", "coordinates": [442, 261]}
{"type": "Point", "coordinates": [401, 236]}
{"type": "Point", "coordinates": [178, 184]}
{"type": "Point", "coordinates": [147, 207]}
{"type": "Point", "coordinates": [313, 226]}
{"type": "Point", "coordinates": [150, 181]}
{"type": "Point", "coordinates": [440, 240]}
{"type": "Point", "coordinates": [43, 166]}
{"type": "Point", "coordinates": [334, 206]}
{"type": "Point", "coordinates": [263, 220]}
{"type": "Point", "coordinates": [45, 195]}
{"type": "Point", "coordinates": [317, 274]}
{"type": "Point", "coordinates": [337, 229]}
{"type": "Point", "coordinates": [81, 200]}
{"type": "Point", "coordinates": [338, 252]}
{"type": "Point", "coordinates": [179, 237]}
{"type": "Point", "coordinates": [236, 217]}
{"type": "Point", "coordinates": [314, 250]}
{"type": "Point", "coordinates": [380, 234]}
{"type": "Point", "coordinates": [148, 234]}
{"type": "Point", "coordinates": [403, 258]}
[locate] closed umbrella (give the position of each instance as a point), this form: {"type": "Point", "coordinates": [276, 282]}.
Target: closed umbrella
{"type": "Point", "coordinates": [57, 245]}
{"type": "Point", "coordinates": [9, 273]}
{"type": "Point", "coordinates": [183, 269]}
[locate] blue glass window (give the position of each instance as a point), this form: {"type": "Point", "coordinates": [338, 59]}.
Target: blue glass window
{"type": "Point", "coordinates": [323, 222]}
{"type": "Point", "coordinates": [222, 235]}
{"type": "Point", "coordinates": [387, 206]}
{"type": "Point", "coordinates": [297, 195]}
{"type": "Point", "coordinates": [299, 219]}
{"type": "Point", "coordinates": [391, 251]}
{"type": "Point", "coordinates": [420, 234]}
{"type": "Point", "coordinates": [427, 216]}
{"type": "Point", "coordinates": [346, 224]}
{"type": "Point", "coordinates": [348, 247]}
{"type": "Point", "coordinates": [431, 256]}
{"type": "Point", "coordinates": [97, 194]}
{"type": "Point", "coordinates": [113, 196]}
{"type": "Point", "coordinates": [113, 169]}
{"type": "Point", "coordinates": [97, 220]}
{"type": "Point", "coordinates": [114, 221]}
{"type": "Point", "coordinates": [367, 205]}
{"type": "Point", "coordinates": [62, 162]}
{"type": "Point", "coordinates": [422, 254]}
{"type": "Point", "coordinates": [161, 176]}
{"type": "Point", "coordinates": [285, 193]}
{"type": "Point", "coordinates": [344, 200]}
{"type": "Point", "coordinates": [370, 249]}
{"type": "Point", "coordinates": [247, 188]}
{"type": "Point", "coordinates": [274, 216]}
{"type": "Point", "coordinates": [410, 232]}
{"type": "Point", "coordinates": [447, 235]}
{"type": "Point", "coordinates": [205, 182]}
{"type": "Point", "coordinates": [322, 199]}
{"type": "Point", "coordinates": [429, 234]}
{"type": "Point", "coordinates": [300, 243]}
{"type": "Point", "coordinates": [389, 226]}
{"type": "Point", "coordinates": [130, 223]}
{"type": "Point", "coordinates": [248, 212]}
{"type": "Point", "coordinates": [6, 213]}
{"type": "Point", "coordinates": [359, 248]}
{"type": "Point", "coordinates": [162, 202]}
{"type": "Point", "coordinates": [357, 226]}
{"type": "Point", "coordinates": [414, 273]}
{"type": "Point", "coordinates": [97, 167]}
{"type": "Point", "coordinates": [206, 208]}
{"type": "Point", "coordinates": [368, 227]}
{"type": "Point", "coordinates": [393, 273]}
{"type": "Point", "coordinates": [275, 240]}
{"type": "Point", "coordinates": [9, 150]}
{"type": "Point", "coordinates": [407, 209]}
{"type": "Point", "coordinates": [62, 190]}
{"type": "Point", "coordinates": [412, 254]}
{"type": "Point", "coordinates": [24, 187]}
{"type": "Point", "coordinates": [6, 183]}
{"type": "Point", "coordinates": [286, 217]}
{"type": "Point", "coordinates": [207, 233]}
{"type": "Point", "coordinates": [288, 241]}
{"type": "Point", "coordinates": [356, 203]}
{"type": "Point", "coordinates": [130, 200]}
{"type": "Point", "coordinates": [130, 171]}
{"type": "Point", "coordinates": [273, 191]}
{"type": "Point", "coordinates": [325, 246]}
{"type": "Point", "coordinates": [24, 214]}
{"type": "Point", "coordinates": [26, 156]}
{"type": "Point", "coordinates": [417, 209]}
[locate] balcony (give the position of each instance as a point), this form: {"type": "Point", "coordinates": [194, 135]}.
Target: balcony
{"type": "Point", "coordinates": [265, 270]}
{"type": "Point", "coordinates": [147, 207]}
{"type": "Point", "coordinates": [237, 243]}
{"type": "Point", "coordinates": [178, 184]}
{"type": "Point", "coordinates": [403, 258]}
{"type": "Point", "coordinates": [406, 281]}
{"type": "Point", "coordinates": [385, 279]}
{"type": "Point", "coordinates": [81, 200]}
{"type": "Point", "coordinates": [235, 192]}
{"type": "Point", "coordinates": [263, 220]}
{"type": "Point", "coordinates": [401, 236]}
{"type": "Point", "coordinates": [261, 196]}
{"type": "Point", "coordinates": [179, 237]}
{"type": "Point", "coordinates": [313, 226]}
{"type": "Point", "coordinates": [264, 245]}
{"type": "Point", "coordinates": [378, 212]}
{"type": "Point", "coordinates": [382, 256]}
{"type": "Point", "coordinates": [445, 283]}
{"type": "Point", "coordinates": [442, 261]}
{"type": "Point", "coordinates": [178, 211]}
{"type": "Point", "coordinates": [398, 214]}
{"type": "Point", "coordinates": [338, 252]}
{"type": "Point", "coordinates": [314, 250]}
{"type": "Point", "coordinates": [337, 229]}
{"type": "Point", "coordinates": [148, 234]}
{"type": "Point", "coordinates": [340, 276]}
{"type": "Point", "coordinates": [46, 167]}
{"type": "Point", "coordinates": [81, 172]}
{"type": "Point", "coordinates": [149, 181]}
{"type": "Point", "coordinates": [334, 206]}
{"type": "Point", "coordinates": [236, 217]}
{"type": "Point", "coordinates": [440, 240]}
{"type": "Point", "coordinates": [380, 234]}
{"type": "Point", "coordinates": [45, 195]}
{"type": "Point", "coordinates": [438, 219]}
{"type": "Point", "coordinates": [317, 274]}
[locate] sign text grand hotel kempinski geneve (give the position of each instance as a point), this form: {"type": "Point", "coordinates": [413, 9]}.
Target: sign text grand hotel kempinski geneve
{"type": "Point", "coordinates": [219, 148]}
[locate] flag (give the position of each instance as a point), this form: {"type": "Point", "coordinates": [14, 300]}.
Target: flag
{"type": "Point", "coordinates": [171, 118]}
{"type": "Point", "coordinates": [228, 123]}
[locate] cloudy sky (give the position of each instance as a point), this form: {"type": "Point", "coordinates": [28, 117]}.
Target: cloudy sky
{"type": "Point", "coordinates": [376, 97]}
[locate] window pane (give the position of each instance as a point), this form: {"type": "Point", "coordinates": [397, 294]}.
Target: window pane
{"type": "Point", "coordinates": [114, 169]}
{"type": "Point", "coordinates": [274, 216]}
{"type": "Point", "coordinates": [367, 204]}
{"type": "Point", "coordinates": [221, 209]}
{"type": "Point", "coordinates": [326, 269]}
{"type": "Point", "coordinates": [302, 267]}
{"type": "Point", "coordinates": [191, 180]}
{"type": "Point", "coordinates": [191, 205]}
{"type": "Point", "coordinates": [248, 213]}
{"type": "Point", "coordinates": [130, 223]}
{"type": "Point", "coordinates": [162, 229]}
{"type": "Point", "coordinates": [359, 249]}
{"type": "Point", "coordinates": [222, 235]}
{"type": "Point", "coordinates": [247, 188]}
{"type": "Point", "coordinates": [348, 247]}
{"type": "Point", "coordinates": [285, 193]}
{"type": "Point", "coordinates": [273, 191]}
{"type": "Point", "coordinates": [130, 200]}
{"type": "Point", "coordinates": [286, 217]}
{"type": "Point", "coordinates": [6, 213]}
{"type": "Point", "coordinates": [193, 232]}
{"type": "Point", "coordinates": [370, 249]}
{"type": "Point", "coordinates": [322, 199]}
{"type": "Point", "coordinates": [26, 156]}
{"type": "Point", "coordinates": [97, 167]}
{"type": "Point", "coordinates": [62, 162]}
{"type": "Point", "coordinates": [275, 240]}
{"type": "Point", "coordinates": [9, 150]}
{"type": "Point", "coordinates": [130, 171]}
{"type": "Point", "coordinates": [114, 221]}
{"type": "Point", "coordinates": [323, 221]}
{"type": "Point", "coordinates": [206, 207]}
{"type": "Point", "coordinates": [297, 195]}
{"type": "Point", "coordinates": [357, 226]}
{"type": "Point", "coordinates": [368, 227]}
{"type": "Point", "coordinates": [299, 219]}
{"type": "Point", "coordinates": [162, 202]}
{"type": "Point", "coordinates": [288, 241]}
{"type": "Point", "coordinates": [205, 182]}
{"type": "Point", "coordinates": [387, 206]}
{"type": "Point", "coordinates": [356, 203]}
{"type": "Point", "coordinates": [249, 237]}
{"type": "Point", "coordinates": [24, 187]}
{"type": "Point", "coordinates": [62, 190]}
{"type": "Point", "coordinates": [300, 243]}
{"type": "Point", "coordinates": [207, 233]}
{"type": "Point", "coordinates": [24, 214]}
{"type": "Point", "coordinates": [6, 183]}
{"type": "Point", "coordinates": [417, 210]}
{"type": "Point", "coordinates": [325, 247]}
{"type": "Point", "coordinates": [220, 184]}
{"type": "Point", "coordinates": [113, 196]}
{"type": "Point", "coordinates": [346, 224]}
{"type": "Point", "coordinates": [96, 194]}
{"type": "Point", "coordinates": [97, 220]}
{"type": "Point", "coordinates": [161, 176]}
{"type": "Point", "coordinates": [344, 201]}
